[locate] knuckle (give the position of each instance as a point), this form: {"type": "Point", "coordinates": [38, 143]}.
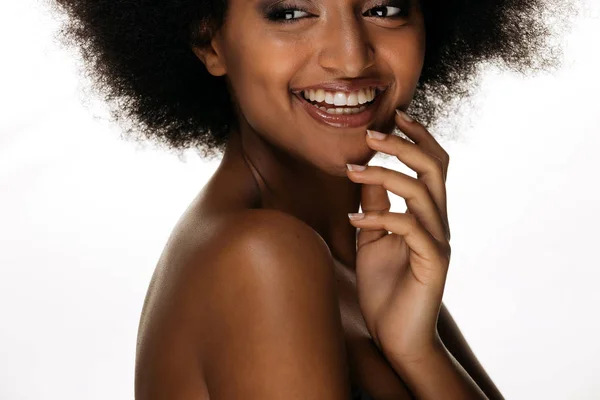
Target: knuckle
{"type": "Point", "coordinates": [375, 214]}
{"type": "Point", "coordinates": [445, 251]}
{"type": "Point", "coordinates": [381, 213]}
{"type": "Point", "coordinates": [436, 162]}
{"type": "Point", "coordinates": [444, 262]}
{"type": "Point", "coordinates": [421, 187]}
{"type": "Point", "coordinates": [412, 221]}
{"type": "Point", "coordinates": [445, 157]}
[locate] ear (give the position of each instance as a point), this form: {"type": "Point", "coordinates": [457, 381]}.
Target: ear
{"type": "Point", "coordinates": [211, 56]}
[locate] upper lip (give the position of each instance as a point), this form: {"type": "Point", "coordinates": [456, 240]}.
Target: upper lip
{"type": "Point", "coordinates": [345, 86]}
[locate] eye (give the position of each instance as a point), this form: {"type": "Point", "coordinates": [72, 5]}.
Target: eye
{"type": "Point", "coordinates": [383, 12]}
{"type": "Point", "coordinates": [286, 14]}
{"type": "Point", "coordinates": [293, 12]}
{"type": "Point", "coordinates": [392, 9]}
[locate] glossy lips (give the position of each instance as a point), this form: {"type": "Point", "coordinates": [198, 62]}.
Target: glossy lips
{"type": "Point", "coordinates": [340, 120]}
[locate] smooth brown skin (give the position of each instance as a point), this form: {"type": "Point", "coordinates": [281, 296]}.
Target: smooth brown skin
{"type": "Point", "coordinates": [254, 296]}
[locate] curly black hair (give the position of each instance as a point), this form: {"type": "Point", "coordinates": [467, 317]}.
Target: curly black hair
{"type": "Point", "coordinates": [138, 56]}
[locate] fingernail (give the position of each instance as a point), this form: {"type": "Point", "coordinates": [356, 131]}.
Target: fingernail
{"type": "Point", "coordinates": [404, 116]}
{"type": "Point", "coordinates": [354, 167]}
{"type": "Point", "coordinates": [356, 216]}
{"type": "Point", "coordinates": [376, 135]}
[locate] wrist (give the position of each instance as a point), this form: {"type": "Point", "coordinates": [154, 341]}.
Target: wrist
{"type": "Point", "coordinates": [433, 373]}
{"type": "Point", "coordinates": [432, 352]}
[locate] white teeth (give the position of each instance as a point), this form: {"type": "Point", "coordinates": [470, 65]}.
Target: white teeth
{"type": "Point", "coordinates": [320, 95]}
{"type": "Point", "coordinates": [352, 99]}
{"type": "Point", "coordinates": [361, 96]}
{"type": "Point", "coordinates": [328, 97]}
{"type": "Point", "coordinates": [339, 99]}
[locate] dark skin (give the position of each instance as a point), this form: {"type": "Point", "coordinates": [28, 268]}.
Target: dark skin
{"type": "Point", "coordinates": [335, 46]}
{"type": "Point", "coordinates": [301, 171]}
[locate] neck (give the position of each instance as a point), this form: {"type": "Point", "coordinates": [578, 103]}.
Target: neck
{"type": "Point", "coordinates": [291, 185]}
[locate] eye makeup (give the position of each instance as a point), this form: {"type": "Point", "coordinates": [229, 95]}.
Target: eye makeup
{"type": "Point", "coordinates": [289, 11]}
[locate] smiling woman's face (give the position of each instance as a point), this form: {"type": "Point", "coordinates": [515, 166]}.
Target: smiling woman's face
{"type": "Point", "coordinates": [347, 51]}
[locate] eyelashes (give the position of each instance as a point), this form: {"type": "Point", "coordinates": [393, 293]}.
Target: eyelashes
{"type": "Point", "coordinates": [285, 14]}
{"type": "Point", "coordinates": [290, 13]}
{"type": "Point", "coordinates": [390, 11]}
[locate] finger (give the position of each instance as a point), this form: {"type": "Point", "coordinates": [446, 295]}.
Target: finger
{"type": "Point", "coordinates": [417, 237]}
{"type": "Point", "coordinates": [423, 138]}
{"type": "Point", "coordinates": [373, 198]}
{"type": "Point", "coordinates": [429, 168]}
{"type": "Point", "coordinates": [417, 196]}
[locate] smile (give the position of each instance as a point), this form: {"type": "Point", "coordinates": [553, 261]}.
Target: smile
{"type": "Point", "coordinates": [341, 109]}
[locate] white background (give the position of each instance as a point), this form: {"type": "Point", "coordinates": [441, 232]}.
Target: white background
{"type": "Point", "coordinates": [84, 216]}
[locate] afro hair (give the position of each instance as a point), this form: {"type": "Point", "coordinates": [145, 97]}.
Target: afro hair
{"type": "Point", "coordinates": [138, 56]}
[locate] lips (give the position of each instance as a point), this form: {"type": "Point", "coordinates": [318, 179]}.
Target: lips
{"type": "Point", "coordinates": [359, 119]}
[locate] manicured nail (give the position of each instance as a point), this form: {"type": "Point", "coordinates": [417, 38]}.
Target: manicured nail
{"type": "Point", "coordinates": [404, 116]}
{"type": "Point", "coordinates": [356, 216]}
{"type": "Point", "coordinates": [376, 135]}
{"type": "Point", "coordinates": [354, 167]}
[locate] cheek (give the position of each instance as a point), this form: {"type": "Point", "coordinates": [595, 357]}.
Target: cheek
{"type": "Point", "coordinates": [405, 56]}
{"type": "Point", "coordinates": [260, 70]}
{"type": "Point", "coordinates": [260, 74]}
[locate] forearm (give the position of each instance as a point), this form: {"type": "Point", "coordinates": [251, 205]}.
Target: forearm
{"type": "Point", "coordinates": [456, 343]}
{"type": "Point", "coordinates": [436, 375]}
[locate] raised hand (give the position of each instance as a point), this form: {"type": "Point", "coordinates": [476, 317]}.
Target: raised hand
{"type": "Point", "coordinates": [401, 275]}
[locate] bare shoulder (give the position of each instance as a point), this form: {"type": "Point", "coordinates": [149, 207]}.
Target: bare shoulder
{"type": "Point", "coordinates": [253, 311]}
{"type": "Point", "coordinates": [275, 326]}
{"type": "Point", "coordinates": [270, 236]}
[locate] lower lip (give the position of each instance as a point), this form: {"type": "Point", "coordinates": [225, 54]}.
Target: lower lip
{"type": "Point", "coordinates": [341, 120]}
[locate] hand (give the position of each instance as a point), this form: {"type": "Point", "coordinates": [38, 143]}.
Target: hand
{"type": "Point", "coordinates": [401, 276]}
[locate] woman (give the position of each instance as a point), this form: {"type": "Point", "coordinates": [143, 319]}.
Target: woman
{"type": "Point", "coordinates": [271, 286]}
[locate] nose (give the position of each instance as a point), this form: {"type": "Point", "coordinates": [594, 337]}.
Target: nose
{"type": "Point", "coordinates": [345, 47]}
